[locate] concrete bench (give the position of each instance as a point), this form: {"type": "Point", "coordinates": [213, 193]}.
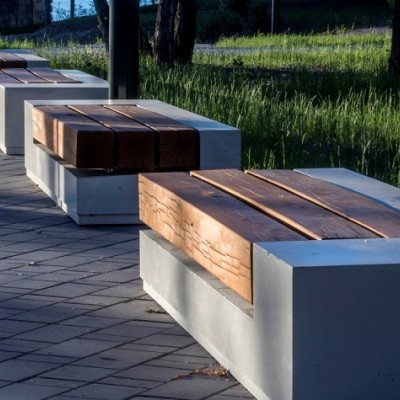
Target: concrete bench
{"type": "Point", "coordinates": [14, 58]}
{"type": "Point", "coordinates": [86, 154]}
{"type": "Point", "coordinates": [288, 278]}
{"type": "Point", "coordinates": [20, 84]}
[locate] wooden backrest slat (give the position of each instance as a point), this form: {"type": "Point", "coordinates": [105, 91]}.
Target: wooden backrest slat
{"type": "Point", "coordinates": [380, 219]}
{"type": "Point", "coordinates": [301, 215]}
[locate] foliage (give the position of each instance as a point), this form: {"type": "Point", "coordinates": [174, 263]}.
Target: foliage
{"type": "Point", "coordinates": [297, 106]}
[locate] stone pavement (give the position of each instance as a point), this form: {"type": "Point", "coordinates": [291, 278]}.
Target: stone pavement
{"type": "Point", "coordinates": [75, 322]}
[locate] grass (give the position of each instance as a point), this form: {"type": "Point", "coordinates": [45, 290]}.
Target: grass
{"type": "Point", "coordinates": [320, 101]}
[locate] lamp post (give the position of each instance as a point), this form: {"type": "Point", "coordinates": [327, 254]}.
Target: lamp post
{"type": "Point", "coordinates": [124, 49]}
{"type": "Point", "coordinates": [275, 11]}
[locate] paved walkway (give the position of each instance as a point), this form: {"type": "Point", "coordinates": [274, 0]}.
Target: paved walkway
{"type": "Point", "coordinates": [74, 319]}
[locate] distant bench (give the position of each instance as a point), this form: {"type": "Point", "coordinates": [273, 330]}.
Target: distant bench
{"type": "Point", "coordinates": [86, 154]}
{"type": "Point", "coordinates": [20, 84]}
{"type": "Point", "coordinates": [21, 59]}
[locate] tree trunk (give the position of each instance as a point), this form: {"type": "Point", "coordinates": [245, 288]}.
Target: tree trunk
{"type": "Point", "coordinates": [394, 59]}
{"type": "Point", "coordinates": [103, 12]}
{"type": "Point", "coordinates": [164, 32]}
{"type": "Point", "coordinates": [184, 31]}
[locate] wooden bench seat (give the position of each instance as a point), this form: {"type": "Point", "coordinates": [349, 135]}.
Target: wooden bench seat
{"type": "Point", "coordinates": [10, 60]}
{"type": "Point", "coordinates": [214, 216]}
{"type": "Point", "coordinates": [115, 137]}
{"type": "Point", "coordinates": [33, 75]}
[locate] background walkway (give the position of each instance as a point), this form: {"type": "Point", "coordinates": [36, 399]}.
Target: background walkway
{"type": "Point", "coordinates": [74, 319]}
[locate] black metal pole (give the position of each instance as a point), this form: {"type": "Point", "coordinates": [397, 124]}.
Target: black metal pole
{"type": "Point", "coordinates": [275, 15]}
{"type": "Point", "coordinates": [124, 49]}
{"type": "Point", "coordinates": [72, 8]}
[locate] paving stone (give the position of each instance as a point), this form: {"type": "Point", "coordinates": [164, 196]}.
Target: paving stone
{"type": "Point", "coordinates": [53, 333]}
{"type": "Point", "coordinates": [16, 370]}
{"type": "Point", "coordinates": [79, 348]}
{"type": "Point", "coordinates": [167, 340]}
{"type": "Point", "coordinates": [105, 392]}
{"type": "Point", "coordinates": [151, 373]}
{"type": "Point", "coordinates": [61, 360]}
{"type": "Point", "coordinates": [78, 373]}
{"type": "Point", "coordinates": [191, 388]}
{"type": "Point", "coordinates": [50, 314]}
{"type": "Point", "coordinates": [237, 391]}
{"type": "Point", "coordinates": [22, 346]}
{"type": "Point", "coordinates": [22, 391]}
{"type": "Point", "coordinates": [8, 355]}
{"type": "Point", "coordinates": [93, 321]}
{"type": "Point", "coordinates": [138, 383]}
{"type": "Point", "coordinates": [63, 383]}
{"type": "Point", "coordinates": [69, 290]}
{"type": "Point", "coordinates": [118, 358]}
{"type": "Point", "coordinates": [23, 304]}
{"type": "Point", "coordinates": [125, 290]}
{"type": "Point", "coordinates": [25, 283]}
{"type": "Point", "coordinates": [16, 327]}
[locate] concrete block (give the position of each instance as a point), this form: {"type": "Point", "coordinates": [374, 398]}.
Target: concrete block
{"type": "Point", "coordinates": [323, 324]}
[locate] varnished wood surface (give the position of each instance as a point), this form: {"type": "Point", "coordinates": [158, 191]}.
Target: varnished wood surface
{"type": "Point", "coordinates": [24, 75]}
{"type": "Point", "coordinates": [51, 75]}
{"type": "Point", "coordinates": [366, 212]}
{"type": "Point", "coordinates": [177, 146]}
{"type": "Point", "coordinates": [135, 143]}
{"type": "Point", "coordinates": [10, 60]}
{"type": "Point", "coordinates": [5, 78]}
{"type": "Point", "coordinates": [77, 139]}
{"type": "Point", "coordinates": [301, 215]}
{"type": "Point", "coordinates": [211, 226]}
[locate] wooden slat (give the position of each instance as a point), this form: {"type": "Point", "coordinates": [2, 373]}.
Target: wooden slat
{"type": "Point", "coordinates": [4, 78]}
{"type": "Point", "coordinates": [52, 76]}
{"type": "Point", "coordinates": [305, 217]}
{"type": "Point", "coordinates": [24, 75]}
{"type": "Point", "coordinates": [135, 143]}
{"type": "Point", "coordinates": [77, 139]}
{"type": "Point", "coordinates": [10, 60]}
{"type": "Point", "coordinates": [177, 143]}
{"type": "Point", "coordinates": [383, 220]}
{"type": "Point", "coordinates": [210, 226]}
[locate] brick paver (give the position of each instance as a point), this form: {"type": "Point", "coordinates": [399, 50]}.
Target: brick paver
{"type": "Point", "coordinates": [74, 319]}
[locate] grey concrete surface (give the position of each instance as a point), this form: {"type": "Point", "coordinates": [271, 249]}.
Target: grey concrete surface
{"type": "Point", "coordinates": [74, 319]}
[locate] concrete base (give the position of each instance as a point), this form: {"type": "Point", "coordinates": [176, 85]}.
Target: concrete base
{"type": "Point", "coordinates": [12, 97]}
{"type": "Point", "coordinates": [93, 197]}
{"type": "Point", "coordinates": [324, 323]}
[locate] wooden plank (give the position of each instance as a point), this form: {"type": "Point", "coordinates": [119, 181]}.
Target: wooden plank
{"type": "Point", "coordinates": [366, 212]}
{"type": "Point", "coordinates": [134, 143]}
{"type": "Point", "coordinates": [77, 139]}
{"type": "Point", "coordinates": [301, 215]}
{"type": "Point", "coordinates": [52, 76]}
{"type": "Point", "coordinates": [24, 75]}
{"type": "Point", "coordinates": [178, 144]}
{"type": "Point", "coordinates": [4, 78]}
{"type": "Point", "coordinates": [210, 226]}
{"type": "Point", "coordinates": [10, 60]}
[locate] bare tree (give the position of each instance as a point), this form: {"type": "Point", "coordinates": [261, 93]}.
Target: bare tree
{"type": "Point", "coordinates": [175, 31]}
{"type": "Point", "coordinates": [394, 59]}
{"type": "Point", "coordinates": [103, 12]}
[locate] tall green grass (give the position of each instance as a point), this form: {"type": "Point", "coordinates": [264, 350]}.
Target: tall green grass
{"type": "Point", "coordinates": [304, 106]}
